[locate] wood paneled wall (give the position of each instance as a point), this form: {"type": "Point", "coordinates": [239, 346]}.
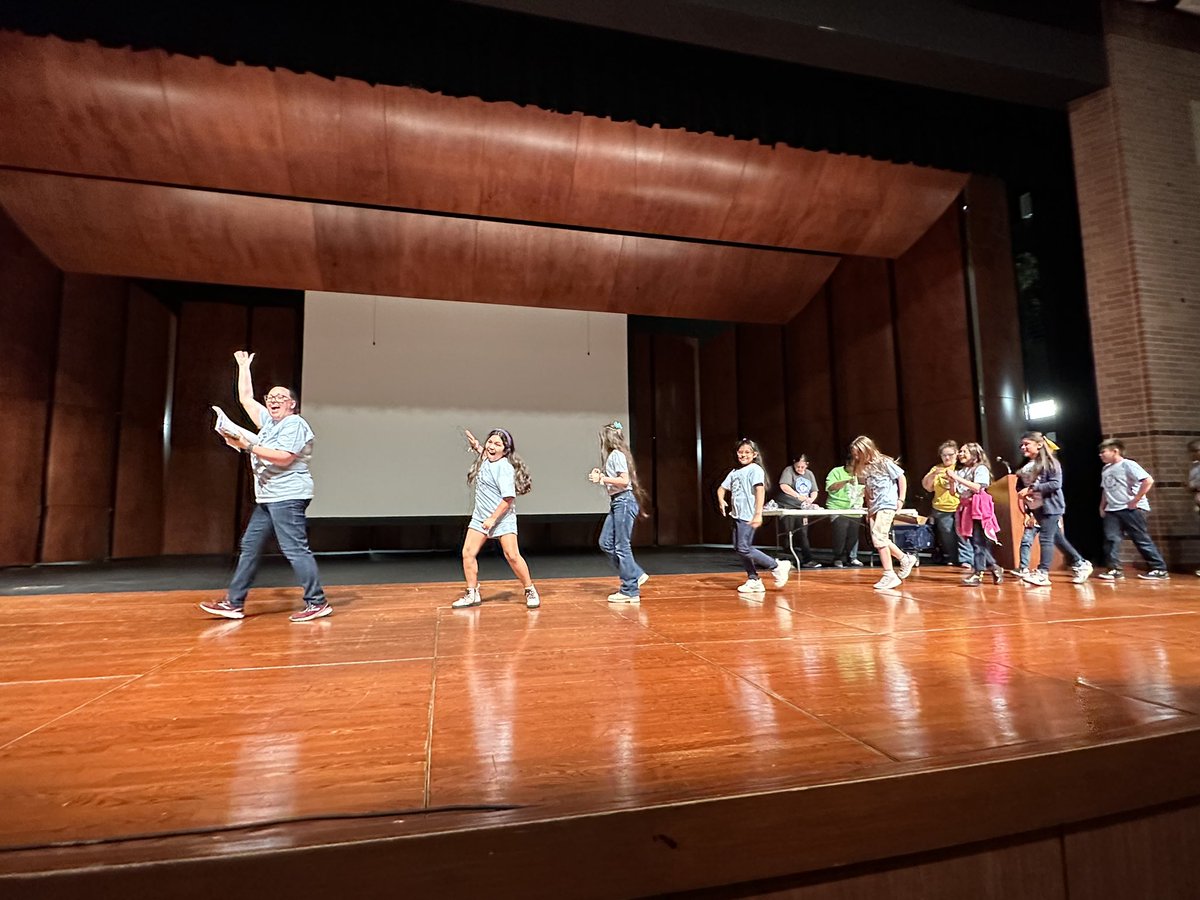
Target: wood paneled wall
{"type": "Point", "coordinates": [84, 423]}
{"type": "Point", "coordinates": [28, 340]}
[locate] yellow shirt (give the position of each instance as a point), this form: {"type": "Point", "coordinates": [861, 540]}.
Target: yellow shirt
{"type": "Point", "coordinates": [945, 499]}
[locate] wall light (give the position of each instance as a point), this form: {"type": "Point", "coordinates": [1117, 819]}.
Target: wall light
{"type": "Point", "coordinates": [1040, 409]}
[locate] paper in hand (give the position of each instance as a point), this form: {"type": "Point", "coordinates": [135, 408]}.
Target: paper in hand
{"type": "Point", "coordinates": [226, 426]}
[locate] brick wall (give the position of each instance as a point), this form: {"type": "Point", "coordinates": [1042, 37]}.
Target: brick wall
{"type": "Point", "coordinates": [1139, 198]}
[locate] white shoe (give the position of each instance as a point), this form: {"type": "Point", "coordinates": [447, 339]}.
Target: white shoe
{"type": "Point", "coordinates": [752, 586]}
{"type": "Point", "coordinates": [532, 599]}
{"type": "Point", "coordinates": [1037, 578]}
{"type": "Point", "coordinates": [1082, 573]}
{"type": "Point", "coordinates": [618, 597]}
{"type": "Point", "coordinates": [907, 561]}
{"type": "Point", "coordinates": [643, 578]}
{"type": "Point", "coordinates": [470, 598]}
{"type": "Point", "coordinates": [781, 573]}
{"type": "Point", "coordinates": [889, 581]}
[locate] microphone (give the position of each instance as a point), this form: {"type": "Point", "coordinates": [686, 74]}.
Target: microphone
{"type": "Point", "coordinates": [1008, 470]}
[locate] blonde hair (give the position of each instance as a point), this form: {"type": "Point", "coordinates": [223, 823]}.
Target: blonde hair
{"type": "Point", "coordinates": [522, 482]}
{"type": "Point", "coordinates": [865, 456]}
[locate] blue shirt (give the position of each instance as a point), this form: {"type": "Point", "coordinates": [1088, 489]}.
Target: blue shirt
{"type": "Point", "coordinates": [1120, 482]}
{"type": "Point", "coordinates": [882, 491]}
{"type": "Point", "coordinates": [741, 484]}
{"type": "Point", "coordinates": [493, 482]}
{"type": "Point", "coordinates": [615, 465]}
{"type": "Point", "coordinates": [273, 482]}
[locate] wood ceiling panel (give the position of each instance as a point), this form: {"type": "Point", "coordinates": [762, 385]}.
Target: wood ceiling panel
{"type": "Point", "coordinates": [182, 234]}
{"type": "Point", "coordinates": [82, 109]}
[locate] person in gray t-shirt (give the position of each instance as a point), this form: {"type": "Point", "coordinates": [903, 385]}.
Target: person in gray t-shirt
{"type": "Point", "coordinates": [1123, 507]}
{"type": "Point", "coordinates": [498, 476]}
{"type": "Point", "coordinates": [283, 488]}
{"type": "Point", "coordinates": [745, 485]}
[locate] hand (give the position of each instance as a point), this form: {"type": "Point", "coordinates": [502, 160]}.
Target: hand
{"type": "Point", "coordinates": [488, 524]}
{"type": "Point", "coordinates": [1023, 493]}
{"type": "Point", "coordinates": [756, 521]}
{"type": "Point", "coordinates": [1103, 512]}
{"type": "Point", "coordinates": [472, 441]}
{"type": "Point", "coordinates": [594, 476]}
{"type": "Point", "coordinates": [242, 358]}
{"type": "Point", "coordinates": [1132, 504]}
{"type": "Point", "coordinates": [724, 507]}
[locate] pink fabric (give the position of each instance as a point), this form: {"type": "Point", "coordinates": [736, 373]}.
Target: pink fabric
{"type": "Point", "coordinates": [979, 507]}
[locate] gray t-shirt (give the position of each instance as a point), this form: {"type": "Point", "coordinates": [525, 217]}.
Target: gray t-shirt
{"type": "Point", "coordinates": [291, 482]}
{"type": "Point", "coordinates": [494, 482]}
{"type": "Point", "coordinates": [976, 474]}
{"type": "Point", "coordinates": [803, 484]}
{"type": "Point", "coordinates": [882, 491]}
{"type": "Point", "coordinates": [614, 466]}
{"type": "Point", "coordinates": [741, 483]}
{"type": "Point", "coordinates": [1120, 482]}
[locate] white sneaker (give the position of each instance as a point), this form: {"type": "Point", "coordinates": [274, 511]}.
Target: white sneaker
{"type": "Point", "coordinates": [1082, 573]}
{"type": "Point", "coordinates": [752, 586]}
{"type": "Point", "coordinates": [618, 597]}
{"type": "Point", "coordinates": [907, 561]}
{"type": "Point", "coordinates": [781, 573]}
{"type": "Point", "coordinates": [889, 581]}
{"type": "Point", "coordinates": [532, 599]}
{"type": "Point", "coordinates": [1037, 578]}
{"type": "Point", "coordinates": [643, 578]}
{"type": "Point", "coordinates": [470, 598]}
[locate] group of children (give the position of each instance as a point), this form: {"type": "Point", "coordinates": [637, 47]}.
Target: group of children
{"type": "Point", "coordinates": [963, 511]}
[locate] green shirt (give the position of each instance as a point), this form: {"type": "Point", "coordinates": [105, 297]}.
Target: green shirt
{"type": "Point", "coordinates": [845, 497]}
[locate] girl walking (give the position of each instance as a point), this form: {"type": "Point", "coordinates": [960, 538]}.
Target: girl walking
{"type": "Point", "coordinates": [1043, 498]}
{"type": "Point", "coordinates": [616, 472]}
{"type": "Point", "coordinates": [977, 513]}
{"type": "Point", "coordinates": [746, 485]}
{"type": "Point", "coordinates": [886, 489]}
{"type": "Point", "coordinates": [499, 476]}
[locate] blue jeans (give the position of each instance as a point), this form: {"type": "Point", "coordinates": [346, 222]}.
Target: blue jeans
{"type": "Point", "coordinates": [1050, 537]}
{"type": "Point", "coordinates": [1132, 522]}
{"type": "Point", "coordinates": [983, 559]}
{"type": "Point", "coordinates": [752, 558]}
{"type": "Point", "coordinates": [955, 548]}
{"type": "Point", "coordinates": [615, 538]}
{"type": "Point", "coordinates": [1027, 538]}
{"type": "Point", "coordinates": [285, 519]}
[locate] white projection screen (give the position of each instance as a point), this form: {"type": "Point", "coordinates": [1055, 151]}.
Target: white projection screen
{"type": "Point", "coordinates": [389, 383]}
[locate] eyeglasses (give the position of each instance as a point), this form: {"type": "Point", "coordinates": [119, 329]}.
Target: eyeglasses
{"type": "Point", "coordinates": [282, 398]}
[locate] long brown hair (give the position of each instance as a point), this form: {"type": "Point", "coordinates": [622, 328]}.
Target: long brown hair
{"type": "Point", "coordinates": [522, 482]}
{"type": "Point", "coordinates": [865, 456]}
{"type": "Point", "coordinates": [1045, 458]}
{"type": "Point", "coordinates": [612, 437]}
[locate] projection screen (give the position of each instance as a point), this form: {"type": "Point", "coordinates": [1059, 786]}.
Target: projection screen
{"type": "Point", "coordinates": [389, 383]}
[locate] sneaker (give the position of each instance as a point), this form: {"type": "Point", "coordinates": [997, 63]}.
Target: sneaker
{"type": "Point", "coordinates": [1155, 575]}
{"type": "Point", "coordinates": [618, 597]}
{"type": "Point", "coordinates": [1082, 572]}
{"type": "Point", "coordinates": [470, 598]}
{"type": "Point", "coordinates": [752, 586]}
{"type": "Point", "coordinates": [907, 561]}
{"type": "Point", "coordinates": [1110, 575]}
{"type": "Point", "coordinates": [838, 564]}
{"type": "Point", "coordinates": [1020, 573]}
{"type": "Point", "coordinates": [781, 573]}
{"type": "Point", "coordinates": [856, 563]}
{"type": "Point", "coordinates": [812, 564]}
{"type": "Point", "coordinates": [997, 574]}
{"type": "Point", "coordinates": [1037, 578]}
{"type": "Point", "coordinates": [532, 599]}
{"type": "Point", "coordinates": [223, 608]}
{"type": "Point", "coordinates": [888, 581]}
{"type": "Point", "coordinates": [643, 578]}
{"type": "Point", "coordinates": [312, 611]}
{"type": "Point", "coordinates": [972, 580]}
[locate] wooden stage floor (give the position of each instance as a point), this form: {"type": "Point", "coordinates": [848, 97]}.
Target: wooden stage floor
{"type": "Point", "coordinates": [133, 725]}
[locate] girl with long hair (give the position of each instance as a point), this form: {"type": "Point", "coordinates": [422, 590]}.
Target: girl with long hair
{"type": "Point", "coordinates": [886, 489]}
{"type": "Point", "coordinates": [1043, 497]}
{"type": "Point", "coordinates": [977, 512]}
{"type": "Point", "coordinates": [619, 476]}
{"type": "Point", "coordinates": [499, 476]}
{"type": "Point", "coordinates": [746, 486]}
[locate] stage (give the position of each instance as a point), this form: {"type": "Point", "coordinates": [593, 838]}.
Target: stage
{"type": "Point", "coordinates": [135, 729]}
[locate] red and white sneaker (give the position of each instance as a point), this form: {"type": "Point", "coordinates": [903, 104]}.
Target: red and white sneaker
{"type": "Point", "coordinates": [312, 611]}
